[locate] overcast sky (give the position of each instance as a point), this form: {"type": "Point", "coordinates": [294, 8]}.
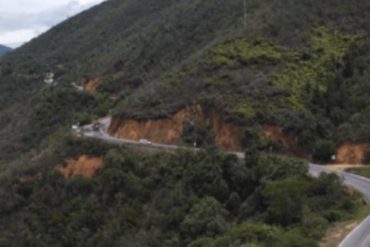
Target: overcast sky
{"type": "Point", "coordinates": [22, 20]}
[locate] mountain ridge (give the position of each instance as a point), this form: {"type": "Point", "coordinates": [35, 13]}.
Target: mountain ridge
{"type": "Point", "coordinates": [288, 67]}
{"type": "Point", "coordinates": [4, 49]}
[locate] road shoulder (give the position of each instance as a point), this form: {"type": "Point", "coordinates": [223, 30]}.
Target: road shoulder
{"type": "Point", "coordinates": [337, 233]}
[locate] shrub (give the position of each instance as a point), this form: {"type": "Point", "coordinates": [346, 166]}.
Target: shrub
{"type": "Point", "coordinates": [323, 151]}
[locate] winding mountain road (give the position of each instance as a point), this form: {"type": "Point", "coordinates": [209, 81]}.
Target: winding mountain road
{"type": "Point", "coordinates": [359, 237]}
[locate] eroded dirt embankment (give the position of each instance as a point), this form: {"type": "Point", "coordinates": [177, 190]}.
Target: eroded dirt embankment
{"type": "Point", "coordinates": [287, 142]}
{"type": "Point", "coordinates": [352, 153]}
{"type": "Point", "coordinates": [84, 166]}
{"type": "Point", "coordinates": [277, 134]}
{"type": "Point", "coordinates": [170, 130]}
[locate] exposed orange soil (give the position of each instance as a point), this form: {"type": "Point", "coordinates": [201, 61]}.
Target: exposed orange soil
{"type": "Point", "coordinates": [287, 142]}
{"type": "Point", "coordinates": [342, 167]}
{"type": "Point", "coordinates": [227, 135]}
{"type": "Point", "coordinates": [352, 153]}
{"type": "Point", "coordinates": [170, 130]}
{"type": "Point", "coordinates": [167, 130]}
{"type": "Point", "coordinates": [84, 166]}
{"type": "Point", "coordinates": [92, 85]}
{"type": "Point", "coordinates": [276, 134]}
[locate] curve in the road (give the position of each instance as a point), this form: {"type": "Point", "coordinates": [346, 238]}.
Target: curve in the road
{"type": "Point", "coordinates": [359, 237]}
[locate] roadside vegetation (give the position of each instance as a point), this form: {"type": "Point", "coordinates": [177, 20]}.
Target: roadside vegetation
{"type": "Point", "coordinates": [313, 83]}
{"type": "Point", "coordinates": [182, 199]}
{"type": "Point", "coordinates": [299, 66]}
{"type": "Point", "coordinates": [362, 171]}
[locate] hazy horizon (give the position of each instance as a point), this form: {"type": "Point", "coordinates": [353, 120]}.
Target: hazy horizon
{"type": "Point", "coordinates": [23, 20]}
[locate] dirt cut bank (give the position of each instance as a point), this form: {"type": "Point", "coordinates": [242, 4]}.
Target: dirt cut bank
{"type": "Point", "coordinates": [352, 153]}
{"type": "Point", "coordinates": [287, 142]}
{"type": "Point", "coordinates": [170, 130]}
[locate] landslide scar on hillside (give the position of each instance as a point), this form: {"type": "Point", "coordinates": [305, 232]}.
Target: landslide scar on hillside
{"type": "Point", "coordinates": [91, 85]}
{"type": "Point", "coordinates": [170, 130]}
{"type": "Point", "coordinates": [84, 166]}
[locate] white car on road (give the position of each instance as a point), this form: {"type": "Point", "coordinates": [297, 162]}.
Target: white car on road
{"type": "Point", "coordinates": [145, 142]}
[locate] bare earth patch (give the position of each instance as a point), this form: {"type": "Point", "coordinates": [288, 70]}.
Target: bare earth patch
{"type": "Point", "coordinates": [84, 166]}
{"type": "Point", "coordinates": [287, 142]}
{"type": "Point", "coordinates": [170, 130]}
{"type": "Point", "coordinates": [342, 167]}
{"type": "Point", "coordinates": [92, 85]}
{"type": "Point", "coordinates": [352, 153]}
{"type": "Point", "coordinates": [335, 235]}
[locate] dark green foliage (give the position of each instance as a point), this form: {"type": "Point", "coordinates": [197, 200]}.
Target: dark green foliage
{"type": "Point", "coordinates": [207, 218]}
{"type": "Point", "coordinates": [367, 158]}
{"type": "Point", "coordinates": [285, 200]}
{"type": "Point", "coordinates": [324, 150]}
{"type": "Point", "coordinates": [199, 135]}
{"type": "Point", "coordinates": [296, 64]}
{"type": "Point", "coordinates": [183, 199]}
{"type": "Point", "coordinates": [45, 117]}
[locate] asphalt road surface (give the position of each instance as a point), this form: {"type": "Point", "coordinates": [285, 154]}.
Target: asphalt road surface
{"type": "Point", "coordinates": [359, 237]}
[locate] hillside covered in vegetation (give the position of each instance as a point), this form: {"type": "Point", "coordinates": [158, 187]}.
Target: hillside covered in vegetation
{"type": "Point", "coordinates": [300, 66]}
{"type": "Point", "coordinates": [183, 199]}
{"type": "Point", "coordinates": [268, 78]}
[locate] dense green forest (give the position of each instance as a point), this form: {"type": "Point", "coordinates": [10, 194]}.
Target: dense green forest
{"type": "Point", "coordinates": [299, 65]}
{"type": "Point", "coordinates": [182, 199]}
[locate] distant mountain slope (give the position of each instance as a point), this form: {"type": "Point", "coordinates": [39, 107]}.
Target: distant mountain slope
{"type": "Point", "coordinates": [300, 66]}
{"type": "Point", "coordinates": [292, 78]}
{"type": "Point", "coordinates": [146, 35]}
{"type": "Point", "coordinates": [4, 50]}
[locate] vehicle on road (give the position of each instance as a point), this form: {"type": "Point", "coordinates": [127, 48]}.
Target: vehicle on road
{"type": "Point", "coordinates": [145, 142]}
{"type": "Point", "coordinates": [76, 128]}
{"type": "Point", "coordinates": [358, 237]}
